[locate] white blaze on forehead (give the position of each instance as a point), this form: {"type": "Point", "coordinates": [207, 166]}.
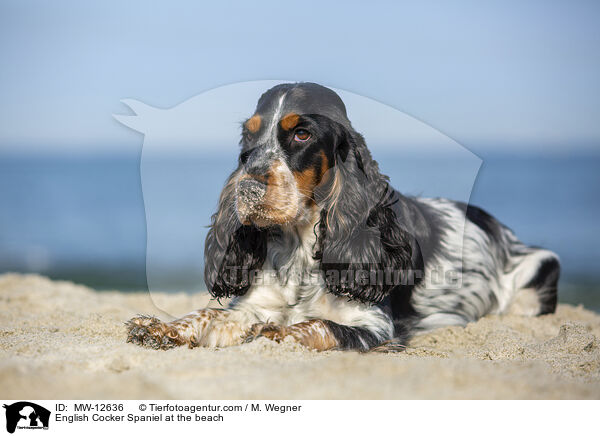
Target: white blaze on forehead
{"type": "Point", "coordinates": [277, 112]}
{"type": "Point", "coordinates": [270, 134]}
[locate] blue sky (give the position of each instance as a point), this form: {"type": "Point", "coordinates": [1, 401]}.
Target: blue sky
{"type": "Point", "coordinates": [488, 74]}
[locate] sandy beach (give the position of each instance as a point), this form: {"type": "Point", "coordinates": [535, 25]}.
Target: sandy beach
{"type": "Point", "coordinates": [66, 341]}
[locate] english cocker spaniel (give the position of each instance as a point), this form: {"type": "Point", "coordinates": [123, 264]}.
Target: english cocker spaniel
{"type": "Point", "coordinates": [314, 245]}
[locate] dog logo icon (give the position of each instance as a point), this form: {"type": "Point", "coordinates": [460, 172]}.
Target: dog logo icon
{"type": "Point", "coordinates": [26, 415]}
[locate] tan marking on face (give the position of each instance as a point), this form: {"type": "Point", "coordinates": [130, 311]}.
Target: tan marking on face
{"type": "Point", "coordinates": [289, 121]}
{"type": "Point", "coordinates": [306, 181]}
{"type": "Point", "coordinates": [253, 124]}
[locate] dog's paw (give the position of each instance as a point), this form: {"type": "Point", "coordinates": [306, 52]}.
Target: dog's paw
{"type": "Point", "coordinates": [267, 330]}
{"type": "Point", "coordinates": [149, 331]}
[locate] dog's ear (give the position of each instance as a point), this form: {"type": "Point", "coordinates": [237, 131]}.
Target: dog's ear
{"type": "Point", "coordinates": [233, 252]}
{"type": "Point", "coordinates": [363, 251]}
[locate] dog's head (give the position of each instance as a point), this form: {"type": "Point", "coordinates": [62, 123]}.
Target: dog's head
{"type": "Point", "coordinates": [300, 162]}
{"type": "Point", "coordinates": [288, 147]}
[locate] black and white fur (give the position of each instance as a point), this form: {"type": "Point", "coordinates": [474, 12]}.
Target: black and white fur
{"type": "Point", "coordinates": [316, 267]}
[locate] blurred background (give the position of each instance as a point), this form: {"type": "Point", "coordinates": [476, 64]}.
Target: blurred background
{"type": "Point", "coordinates": [515, 83]}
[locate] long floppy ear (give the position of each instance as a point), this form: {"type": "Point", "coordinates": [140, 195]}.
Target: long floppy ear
{"type": "Point", "coordinates": [233, 252]}
{"type": "Point", "coordinates": [364, 253]}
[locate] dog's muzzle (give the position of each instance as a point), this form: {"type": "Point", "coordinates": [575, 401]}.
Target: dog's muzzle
{"type": "Point", "coordinates": [267, 198]}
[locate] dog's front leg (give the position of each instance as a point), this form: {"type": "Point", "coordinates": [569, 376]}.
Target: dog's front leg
{"type": "Point", "coordinates": [204, 327]}
{"type": "Point", "coordinates": [190, 330]}
{"type": "Point", "coordinates": [322, 335]}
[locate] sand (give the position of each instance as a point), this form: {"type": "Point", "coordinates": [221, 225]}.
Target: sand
{"type": "Point", "coordinates": [59, 340]}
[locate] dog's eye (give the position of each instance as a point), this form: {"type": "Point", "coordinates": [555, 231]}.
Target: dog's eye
{"type": "Point", "coordinates": [302, 135]}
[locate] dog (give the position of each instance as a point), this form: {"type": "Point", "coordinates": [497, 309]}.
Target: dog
{"type": "Point", "coordinates": [313, 244]}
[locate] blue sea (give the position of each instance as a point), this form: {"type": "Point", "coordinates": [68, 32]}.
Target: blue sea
{"type": "Point", "coordinates": [83, 217]}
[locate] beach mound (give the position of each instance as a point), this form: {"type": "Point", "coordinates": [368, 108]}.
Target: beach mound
{"type": "Point", "coordinates": [61, 340]}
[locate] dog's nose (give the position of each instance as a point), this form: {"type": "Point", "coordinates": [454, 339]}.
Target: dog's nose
{"type": "Point", "coordinates": [252, 190]}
